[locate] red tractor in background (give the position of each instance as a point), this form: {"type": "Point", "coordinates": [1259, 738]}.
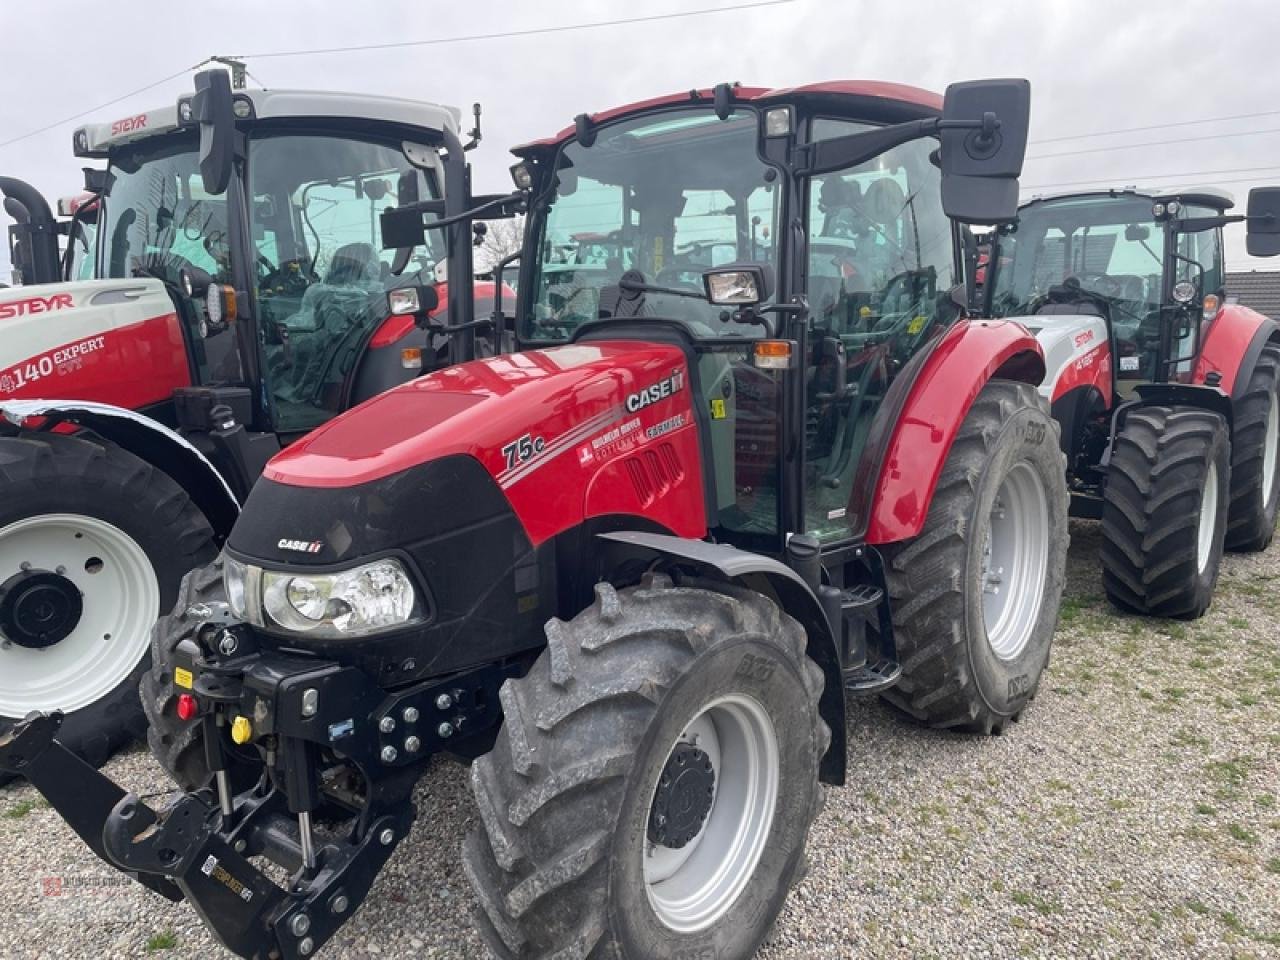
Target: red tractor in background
{"type": "Point", "coordinates": [635, 569]}
{"type": "Point", "coordinates": [1168, 396]}
{"type": "Point", "coordinates": [217, 305]}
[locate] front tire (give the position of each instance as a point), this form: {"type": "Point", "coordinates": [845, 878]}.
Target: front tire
{"type": "Point", "coordinates": [656, 782]}
{"type": "Point", "coordinates": [975, 595]}
{"type": "Point", "coordinates": [95, 536]}
{"type": "Point", "coordinates": [1165, 511]}
{"type": "Point", "coordinates": [1255, 457]}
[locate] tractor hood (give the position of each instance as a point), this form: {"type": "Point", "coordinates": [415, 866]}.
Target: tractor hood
{"type": "Point", "coordinates": [545, 425]}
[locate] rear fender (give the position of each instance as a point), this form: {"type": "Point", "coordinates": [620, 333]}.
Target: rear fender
{"type": "Point", "coordinates": [1231, 347]}
{"type": "Point", "coordinates": [969, 354]}
{"type": "Point", "coordinates": [779, 582]}
{"type": "Point", "coordinates": [148, 440]}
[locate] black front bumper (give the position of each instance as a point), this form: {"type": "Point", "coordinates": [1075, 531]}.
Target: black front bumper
{"type": "Point", "coordinates": [308, 718]}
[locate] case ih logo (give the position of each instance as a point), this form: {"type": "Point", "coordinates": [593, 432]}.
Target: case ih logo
{"type": "Point", "coordinates": [129, 124]}
{"type": "Point", "coordinates": [22, 308]}
{"type": "Point", "coordinates": [301, 546]}
{"type": "Point", "coordinates": [659, 391]}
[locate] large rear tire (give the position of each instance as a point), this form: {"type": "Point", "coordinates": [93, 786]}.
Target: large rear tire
{"type": "Point", "coordinates": [1255, 457]}
{"type": "Point", "coordinates": [1165, 511]}
{"type": "Point", "coordinates": [93, 542]}
{"type": "Point", "coordinates": [656, 782]}
{"type": "Point", "coordinates": [975, 595]}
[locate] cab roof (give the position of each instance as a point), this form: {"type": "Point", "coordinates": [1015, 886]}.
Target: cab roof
{"type": "Point", "coordinates": [100, 138]}
{"type": "Point", "coordinates": [873, 100]}
{"type": "Point", "coordinates": [1213, 197]}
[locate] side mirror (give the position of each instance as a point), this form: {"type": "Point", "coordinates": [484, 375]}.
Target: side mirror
{"type": "Point", "coordinates": [1262, 227]}
{"type": "Point", "coordinates": [402, 228]}
{"type": "Point", "coordinates": [984, 140]}
{"type": "Point", "coordinates": [738, 284]}
{"type": "Point", "coordinates": [418, 302]}
{"type": "Point", "coordinates": [211, 106]}
{"type": "Point", "coordinates": [1135, 232]}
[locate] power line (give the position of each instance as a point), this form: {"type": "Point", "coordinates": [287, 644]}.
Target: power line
{"type": "Point", "coordinates": [1157, 126]}
{"type": "Point", "coordinates": [1148, 177]}
{"type": "Point", "coordinates": [563, 28]}
{"type": "Point", "coordinates": [1154, 143]}
{"type": "Point", "coordinates": [534, 31]}
{"type": "Point", "coordinates": [101, 106]}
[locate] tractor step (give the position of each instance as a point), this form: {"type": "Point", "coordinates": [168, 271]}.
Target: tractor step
{"type": "Point", "coordinates": [872, 678]}
{"type": "Point", "coordinates": [862, 600]}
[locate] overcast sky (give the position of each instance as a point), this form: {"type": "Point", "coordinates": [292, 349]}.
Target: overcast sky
{"type": "Point", "coordinates": [1094, 65]}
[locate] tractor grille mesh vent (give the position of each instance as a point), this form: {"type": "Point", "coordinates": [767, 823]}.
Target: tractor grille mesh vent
{"type": "Point", "coordinates": [654, 472]}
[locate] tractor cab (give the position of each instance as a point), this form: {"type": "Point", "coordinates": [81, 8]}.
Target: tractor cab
{"type": "Point", "coordinates": [288, 245]}
{"type": "Point", "coordinates": [1149, 264]}
{"type": "Point", "coordinates": [629, 211]}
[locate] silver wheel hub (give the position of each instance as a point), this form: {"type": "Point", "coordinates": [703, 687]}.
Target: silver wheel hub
{"type": "Point", "coordinates": [1015, 561]}
{"type": "Point", "coordinates": [79, 598]}
{"type": "Point", "coordinates": [1208, 518]}
{"type": "Point", "coordinates": [699, 860]}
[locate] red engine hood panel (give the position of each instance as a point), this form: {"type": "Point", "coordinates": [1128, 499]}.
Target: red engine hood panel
{"type": "Point", "coordinates": [568, 433]}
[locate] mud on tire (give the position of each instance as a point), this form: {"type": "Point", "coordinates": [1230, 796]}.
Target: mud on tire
{"type": "Point", "coordinates": [558, 858]}
{"type": "Point", "coordinates": [1157, 488]}
{"type": "Point", "coordinates": [1255, 473]}
{"type": "Point", "coordinates": [46, 473]}
{"type": "Point", "coordinates": [952, 675]}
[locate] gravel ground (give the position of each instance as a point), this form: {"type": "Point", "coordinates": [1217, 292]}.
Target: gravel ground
{"type": "Point", "coordinates": [1133, 813]}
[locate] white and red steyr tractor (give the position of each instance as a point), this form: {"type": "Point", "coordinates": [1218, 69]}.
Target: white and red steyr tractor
{"type": "Point", "coordinates": [225, 293]}
{"type": "Point", "coordinates": [1168, 395]}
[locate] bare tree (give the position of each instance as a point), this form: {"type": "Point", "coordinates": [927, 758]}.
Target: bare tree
{"type": "Point", "coordinates": [500, 241]}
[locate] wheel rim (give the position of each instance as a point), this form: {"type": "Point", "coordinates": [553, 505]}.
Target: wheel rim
{"type": "Point", "coordinates": [693, 887]}
{"type": "Point", "coordinates": [1015, 561]}
{"type": "Point", "coordinates": [1208, 518]}
{"type": "Point", "coordinates": [1271, 447]}
{"type": "Point", "coordinates": [120, 596]}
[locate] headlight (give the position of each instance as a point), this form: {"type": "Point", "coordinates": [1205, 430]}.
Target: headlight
{"type": "Point", "coordinates": [352, 603]}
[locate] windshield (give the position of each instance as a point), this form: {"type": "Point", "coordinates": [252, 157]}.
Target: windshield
{"type": "Point", "coordinates": [667, 195]}
{"type": "Point", "coordinates": [1109, 246]}
{"type": "Point", "coordinates": [159, 220]}
{"type": "Point", "coordinates": [322, 275]}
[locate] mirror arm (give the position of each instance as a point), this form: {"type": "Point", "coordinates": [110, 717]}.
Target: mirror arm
{"type": "Point", "coordinates": [826, 156]}
{"type": "Point", "coordinates": [430, 206]}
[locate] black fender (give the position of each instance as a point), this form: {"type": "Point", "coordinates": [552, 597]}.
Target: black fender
{"type": "Point", "coordinates": [149, 440]}
{"type": "Point", "coordinates": [1182, 395]}
{"type": "Point", "coordinates": [779, 582]}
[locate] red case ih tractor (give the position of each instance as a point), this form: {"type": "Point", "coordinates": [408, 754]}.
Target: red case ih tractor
{"type": "Point", "coordinates": [136, 413]}
{"type": "Point", "coordinates": [634, 570]}
{"type": "Point", "coordinates": [1169, 397]}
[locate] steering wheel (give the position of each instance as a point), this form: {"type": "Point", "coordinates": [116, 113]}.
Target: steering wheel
{"type": "Point", "coordinates": [290, 278]}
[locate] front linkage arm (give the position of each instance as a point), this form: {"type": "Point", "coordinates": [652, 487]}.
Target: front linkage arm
{"type": "Point", "coordinates": [189, 850]}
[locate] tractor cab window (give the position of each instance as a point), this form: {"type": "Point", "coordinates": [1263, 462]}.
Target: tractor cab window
{"type": "Point", "coordinates": [666, 195]}
{"type": "Point", "coordinates": [1103, 254]}
{"type": "Point", "coordinates": [82, 243]}
{"type": "Point", "coordinates": [322, 276]}
{"type": "Point", "coordinates": [881, 264]}
{"type": "Point", "coordinates": [158, 219]}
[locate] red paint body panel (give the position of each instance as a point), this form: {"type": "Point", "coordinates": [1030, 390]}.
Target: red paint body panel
{"type": "Point", "coordinates": [1093, 369]}
{"type": "Point", "coordinates": [849, 88]}
{"type": "Point", "coordinates": [132, 366]}
{"type": "Point", "coordinates": [953, 376]}
{"type": "Point", "coordinates": [1225, 343]}
{"type": "Point", "coordinates": [593, 455]}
